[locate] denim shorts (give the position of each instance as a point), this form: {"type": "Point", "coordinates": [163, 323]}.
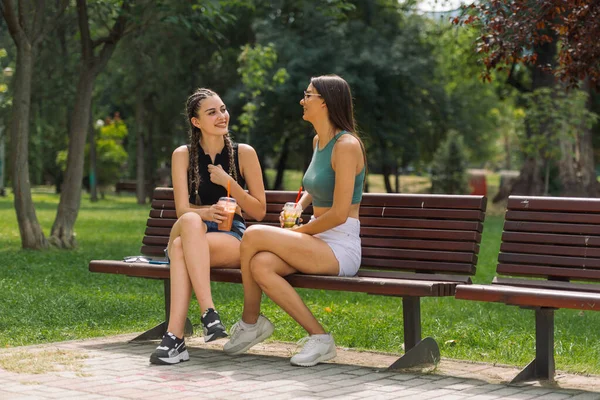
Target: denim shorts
{"type": "Point", "coordinates": [238, 227]}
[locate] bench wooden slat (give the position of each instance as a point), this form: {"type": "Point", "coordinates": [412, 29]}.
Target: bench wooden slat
{"type": "Point", "coordinates": [153, 250]}
{"type": "Point", "coordinates": [422, 223]}
{"type": "Point", "coordinates": [398, 287]}
{"type": "Point", "coordinates": [170, 214]}
{"type": "Point", "coordinates": [414, 265]}
{"type": "Point", "coordinates": [528, 248]}
{"type": "Point", "coordinates": [420, 244]}
{"type": "Point", "coordinates": [565, 204]}
{"type": "Point", "coordinates": [544, 216]}
{"type": "Point", "coordinates": [424, 201]}
{"type": "Point", "coordinates": [466, 215]}
{"type": "Point", "coordinates": [546, 271]}
{"type": "Point", "coordinates": [539, 259]}
{"type": "Point", "coordinates": [544, 284]}
{"type": "Point", "coordinates": [542, 227]}
{"type": "Point", "coordinates": [421, 234]}
{"type": "Point", "coordinates": [160, 222]}
{"type": "Point", "coordinates": [530, 297]}
{"type": "Point", "coordinates": [154, 231]}
{"type": "Point", "coordinates": [410, 254]}
{"type": "Point", "coordinates": [550, 238]}
{"type": "Point", "coordinates": [423, 277]}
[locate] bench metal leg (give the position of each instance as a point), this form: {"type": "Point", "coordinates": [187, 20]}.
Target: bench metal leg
{"type": "Point", "coordinates": [542, 367]}
{"type": "Point", "coordinates": [417, 351]}
{"type": "Point", "coordinates": [159, 330]}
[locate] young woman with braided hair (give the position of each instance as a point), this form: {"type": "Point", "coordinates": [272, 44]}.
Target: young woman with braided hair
{"type": "Point", "coordinates": [201, 172]}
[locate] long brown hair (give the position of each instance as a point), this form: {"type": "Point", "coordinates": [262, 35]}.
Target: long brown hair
{"type": "Point", "coordinates": [336, 94]}
{"type": "Point", "coordinates": [192, 107]}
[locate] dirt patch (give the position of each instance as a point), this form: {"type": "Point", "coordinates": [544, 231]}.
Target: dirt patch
{"type": "Point", "coordinates": [36, 361]}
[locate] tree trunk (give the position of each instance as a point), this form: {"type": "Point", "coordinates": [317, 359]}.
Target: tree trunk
{"type": "Point", "coordinates": [531, 179]}
{"type": "Point", "coordinates": [32, 236]}
{"type": "Point", "coordinates": [140, 176]}
{"type": "Point", "coordinates": [93, 175]}
{"type": "Point", "coordinates": [278, 185]}
{"type": "Point", "coordinates": [396, 177]}
{"type": "Point", "coordinates": [577, 170]}
{"type": "Point", "coordinates": [68, 208]}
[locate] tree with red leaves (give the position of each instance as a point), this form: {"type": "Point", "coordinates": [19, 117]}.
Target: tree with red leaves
{"type": "Point", "coordinates": [558, 42]}
{"type": "Point", "coordinates": [513, 31]}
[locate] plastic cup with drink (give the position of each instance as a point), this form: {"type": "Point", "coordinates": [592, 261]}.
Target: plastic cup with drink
{"type": "Point", "coordinates": [291, 214]}
{"type": "Point", "coordinates": [229, 205]}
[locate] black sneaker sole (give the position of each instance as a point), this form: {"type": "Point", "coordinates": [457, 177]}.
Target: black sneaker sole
{"type": "Point", "coordinates": [215, 335]}
{"type": "Point", "coordinates": [156, 360]}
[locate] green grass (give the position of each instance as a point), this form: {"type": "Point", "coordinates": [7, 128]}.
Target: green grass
{"type": "Point", "coordinates": [51, 296]}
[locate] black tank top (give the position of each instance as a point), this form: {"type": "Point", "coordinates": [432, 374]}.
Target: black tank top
{"type": "Point", "coordinates": [209, 193]}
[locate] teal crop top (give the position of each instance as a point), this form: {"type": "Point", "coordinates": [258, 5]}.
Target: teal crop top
{"type": "Point", "coordinates": [319, 179]}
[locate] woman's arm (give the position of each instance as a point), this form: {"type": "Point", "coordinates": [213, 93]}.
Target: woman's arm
{"type": "Point", "coordinates": [345, 161]}
{"type": "Point", "coordinates": [253, 202]}
{"type": "Point", "coordinates": [179, 166]}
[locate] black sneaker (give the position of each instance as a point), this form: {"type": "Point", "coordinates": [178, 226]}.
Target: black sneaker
{"type": "Point", "coordinates": [170, 351]}
{"type": "Point", "coordinates": [212, 326]}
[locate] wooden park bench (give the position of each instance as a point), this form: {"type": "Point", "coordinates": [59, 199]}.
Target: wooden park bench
{"type": "Point", "coordinates": [557, 239]}
{"type": "Point", "coordinates": [413, 246]}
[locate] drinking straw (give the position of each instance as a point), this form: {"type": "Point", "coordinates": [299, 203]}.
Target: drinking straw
{"type": "Point", "coordinates": [299, 193]}
{"type": "Point", "coordinates": [228, 183]}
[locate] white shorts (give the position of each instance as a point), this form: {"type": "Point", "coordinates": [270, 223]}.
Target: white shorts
{"type": "Point", "coordinates": [344, 241]}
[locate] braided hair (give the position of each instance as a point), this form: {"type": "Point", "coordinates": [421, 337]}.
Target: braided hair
{"type": "Point", "coordinates": [192, 108]}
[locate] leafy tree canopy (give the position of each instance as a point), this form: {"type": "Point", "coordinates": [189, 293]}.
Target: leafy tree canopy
{"type": "Point", "coordinates": [511, 30]}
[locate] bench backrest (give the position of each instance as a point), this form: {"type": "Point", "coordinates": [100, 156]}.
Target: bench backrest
{"type": "Point", "coordinates": [400, 232]}
{"type": "Point", "coordinates": [551, 237]}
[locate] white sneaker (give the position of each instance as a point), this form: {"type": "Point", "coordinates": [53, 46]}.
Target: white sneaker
{"type": "Point", "coordinates": [316, 349]}
{"type": "Point", "coordinates": [244, 338]}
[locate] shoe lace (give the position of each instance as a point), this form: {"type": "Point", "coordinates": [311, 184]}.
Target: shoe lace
{"type": "Point", "coordinates": [235, 329]}
{"type": "Point", "coordinates": [308, 343]}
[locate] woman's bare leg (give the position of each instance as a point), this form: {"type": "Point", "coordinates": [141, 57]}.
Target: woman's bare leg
{"type": "Point", "coordinates": [270, 254]}
{"type": "Point", "coordinates": [189, 241]}
{"type": "Point", "coordinates": [181, 289]}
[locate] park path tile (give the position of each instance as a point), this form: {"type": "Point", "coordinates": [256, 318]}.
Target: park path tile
{"type": "Point", "coordinates": [115, 369]}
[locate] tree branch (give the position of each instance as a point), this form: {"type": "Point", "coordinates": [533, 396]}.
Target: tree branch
{"type": "Point", "coordinates": [47, 28]}
{"type": "Point", "coordinates": [38, 19]}
{"type": "Point", "coordinates": [84, 30]}
{"type": "Point", "coordinates": [116, 33]}
{"type": "Point", "coordinates": [514, 82]}
{"type": "Point", "coordinates": [8, 12]}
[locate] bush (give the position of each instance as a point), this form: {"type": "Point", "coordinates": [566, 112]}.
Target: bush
{"type": "Point", "coordinates": [449, 166]}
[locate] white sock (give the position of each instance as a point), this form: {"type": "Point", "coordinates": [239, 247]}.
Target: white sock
{"type": "Point", "coordinates": [326, 337]}
{"type": "Point", "coordinates": [246, 325]}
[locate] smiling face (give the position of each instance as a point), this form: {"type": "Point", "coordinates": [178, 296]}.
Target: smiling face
{"type": "Point", "coordinates": [212, 117]}
{"type": "Point", "coordinates": [313, 104]}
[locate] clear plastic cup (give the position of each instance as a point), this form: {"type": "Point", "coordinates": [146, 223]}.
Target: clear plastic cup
{"type": "Point", "coordinates": [291, 213]}
{"type": "Point", "coordinates": [229, 205]}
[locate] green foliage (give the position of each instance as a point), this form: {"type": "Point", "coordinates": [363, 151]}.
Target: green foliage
{"type": "Point", "coordinates": [449, 166]}
{"type": "Point", "coordinates": [553, 114]}
{"type": "Point", "coordinates": [110, 154]}
{"type": "Point", "coordinates": [256, 71]}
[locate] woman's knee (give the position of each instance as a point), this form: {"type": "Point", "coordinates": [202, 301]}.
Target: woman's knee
{"type": "Point", "coordinates": [253, 237]}
{"type": "Point", "coordinates": [261, 266]}
{"type": "Point", "coordinates": [191, 221]}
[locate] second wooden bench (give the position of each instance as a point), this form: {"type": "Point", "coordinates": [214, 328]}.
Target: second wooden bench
{"type": "Point", "coordinates": [557, 239]}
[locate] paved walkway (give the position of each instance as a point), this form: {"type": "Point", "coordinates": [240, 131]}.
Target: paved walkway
{"type": "Point", "coordinates": [111, 368]}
